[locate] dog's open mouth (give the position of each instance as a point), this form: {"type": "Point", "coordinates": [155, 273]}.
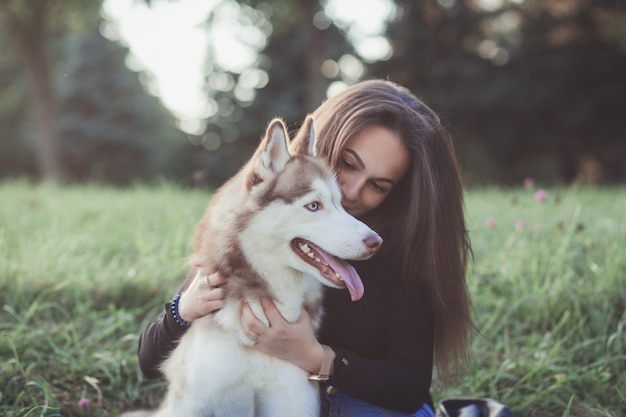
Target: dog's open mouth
{"type": "Point", "coordinates": [337, 271]}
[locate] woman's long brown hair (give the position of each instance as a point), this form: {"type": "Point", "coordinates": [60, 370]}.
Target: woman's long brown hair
{"type": "Point", "coordinates": [422, 219]}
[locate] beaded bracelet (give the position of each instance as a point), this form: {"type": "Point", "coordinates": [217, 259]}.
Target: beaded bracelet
{"type": "Point", "coordinates": [175, 314]}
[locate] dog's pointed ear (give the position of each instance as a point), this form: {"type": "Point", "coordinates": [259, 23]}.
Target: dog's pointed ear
{"type": "Point", "coordinates": [304, 142]}
{"type": "Point", "coordinates": [273, 152]}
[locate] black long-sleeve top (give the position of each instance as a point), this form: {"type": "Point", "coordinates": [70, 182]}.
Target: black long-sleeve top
{"type": "Point", "coordinates": [383, 342]}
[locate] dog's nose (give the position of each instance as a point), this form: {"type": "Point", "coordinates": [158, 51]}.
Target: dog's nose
{"type": "Point", "coordinates": [373, 242]}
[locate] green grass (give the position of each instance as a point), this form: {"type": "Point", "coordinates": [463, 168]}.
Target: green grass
{"type": "Point", "coordinates": [549, 301]}
{"type": "Point", "coordinates": [84, 269]}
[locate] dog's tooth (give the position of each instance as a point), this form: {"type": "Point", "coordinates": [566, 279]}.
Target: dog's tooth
{"type": "Point", "coordinates": [311, 255]}
{"type": "Point", "coordinates": [305, 248]}
{"type": "Point", "coordinates": [338, 276]}
{"type": "Point", "coordinates": [318, 260]}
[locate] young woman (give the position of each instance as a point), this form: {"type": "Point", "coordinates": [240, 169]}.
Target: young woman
{"type": "Point", "coordinates": [398, 173]}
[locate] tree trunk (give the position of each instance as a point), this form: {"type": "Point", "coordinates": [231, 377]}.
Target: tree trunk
{"type": "Point", "coordinates": [44, 110]}
{"type": "Point", "coordinates": [27, 31]}
{"type": "Point", "coordinates": [314, 55]}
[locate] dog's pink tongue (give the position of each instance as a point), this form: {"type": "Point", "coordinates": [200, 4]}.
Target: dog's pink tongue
{"type": "Point", "coordinates": [349, 275]}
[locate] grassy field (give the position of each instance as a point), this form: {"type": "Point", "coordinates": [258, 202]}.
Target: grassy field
{"type": "Point", "coordinates": [84, 269]}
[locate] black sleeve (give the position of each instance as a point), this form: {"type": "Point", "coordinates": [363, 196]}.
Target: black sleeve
{"type": "Point", "coordinates": [400, 380]}
{"type": "Point", "coordinates": [156, 343]}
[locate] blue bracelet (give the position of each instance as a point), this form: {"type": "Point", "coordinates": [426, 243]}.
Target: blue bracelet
{"type": "Point", "coordinates": [175, 313]}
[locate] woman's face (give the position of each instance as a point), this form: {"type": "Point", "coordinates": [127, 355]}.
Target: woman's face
{"type": "Point", "coordinates": [372, 162]}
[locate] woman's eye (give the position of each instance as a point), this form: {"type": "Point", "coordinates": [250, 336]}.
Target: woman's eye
{"type": "Point", "coordinates": [314, 206]}
{"type": "Point", "coordinates": [378, 188]}
{"type": "Point", "coordinates": [347, 164]}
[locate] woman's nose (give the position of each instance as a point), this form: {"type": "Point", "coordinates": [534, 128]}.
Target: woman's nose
{"type": "Point", "coordinates": [350, 190]}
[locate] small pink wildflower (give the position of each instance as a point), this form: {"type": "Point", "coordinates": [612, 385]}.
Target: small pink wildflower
{"type": "Point", "coordinates": [490, 223]}
{"type": "Point", "coordinates": [541, 195]}
{"type": "Point", "coordinates": [83, 403]}
{"type": "Point", "coordinates": [528, 182]}
{"type": "Point", "coordinates": [520, 224]}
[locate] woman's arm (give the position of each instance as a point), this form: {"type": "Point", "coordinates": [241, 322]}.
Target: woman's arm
{"type": "Point", "coordinates": [156, 343]}
{"type": "Point", "coordinates": [398, 378]}
{"type": "Point", "coordinates": [202, 295]}
{"type": "Point", "coordinates": [397, 384]}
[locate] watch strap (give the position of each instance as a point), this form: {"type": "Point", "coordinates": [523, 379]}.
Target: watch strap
{"type": "Point", "coordinates": [327, 363]}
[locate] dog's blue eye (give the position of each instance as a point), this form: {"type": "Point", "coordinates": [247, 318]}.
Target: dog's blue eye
{"type": "Point", "coordinates": [314, 206]}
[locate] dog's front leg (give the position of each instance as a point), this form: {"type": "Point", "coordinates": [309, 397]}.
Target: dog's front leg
{"type": "Point", "coordinates": [289, 394]}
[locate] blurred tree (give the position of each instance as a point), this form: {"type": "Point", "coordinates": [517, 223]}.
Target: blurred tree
{"type": "Point", "coordinates": [28, 26]}
{"type": "Point", "coordinates": [575, 71]}
{"type": "Point", "coordinates": [112, 129]}
{"type": "Point", "coordinates": [526, 89]}
{"type": "Point", "coordinates": [434, 54]}
{"type": "Point", "coordinates": [287, 81]}
{"type": "Point", "coordinates": [304, 20]}
{"type": "Point", "coordinates": [15, 155]}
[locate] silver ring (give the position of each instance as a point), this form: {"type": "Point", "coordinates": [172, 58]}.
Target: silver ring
{"type": "Point", "coordinates": [206, 279]}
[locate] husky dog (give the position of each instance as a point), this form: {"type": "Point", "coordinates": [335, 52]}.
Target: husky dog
{"type": "Point", "coordinates": [276, 230]}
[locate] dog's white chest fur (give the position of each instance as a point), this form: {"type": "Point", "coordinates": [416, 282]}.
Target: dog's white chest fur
{"type": "Point", "coordinates": [219, 376]}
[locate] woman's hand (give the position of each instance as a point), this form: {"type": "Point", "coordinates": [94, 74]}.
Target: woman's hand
{"type": "Point", "coordinates": [202, 297]}
{"type": "Point", "coordinates": [294, 342]}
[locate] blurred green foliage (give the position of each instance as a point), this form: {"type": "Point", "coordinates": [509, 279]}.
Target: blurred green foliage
{"type": "Point", "coordinates": [527, 88]}
{"type": "Point", "coordinates": [111, 129]}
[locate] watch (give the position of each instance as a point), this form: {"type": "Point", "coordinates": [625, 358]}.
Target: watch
{"type": "Point", "coordinates": [324, 373]}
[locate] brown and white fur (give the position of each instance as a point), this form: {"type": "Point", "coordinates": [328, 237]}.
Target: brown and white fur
{"type": "Point", "coordinates": [263, 230]}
